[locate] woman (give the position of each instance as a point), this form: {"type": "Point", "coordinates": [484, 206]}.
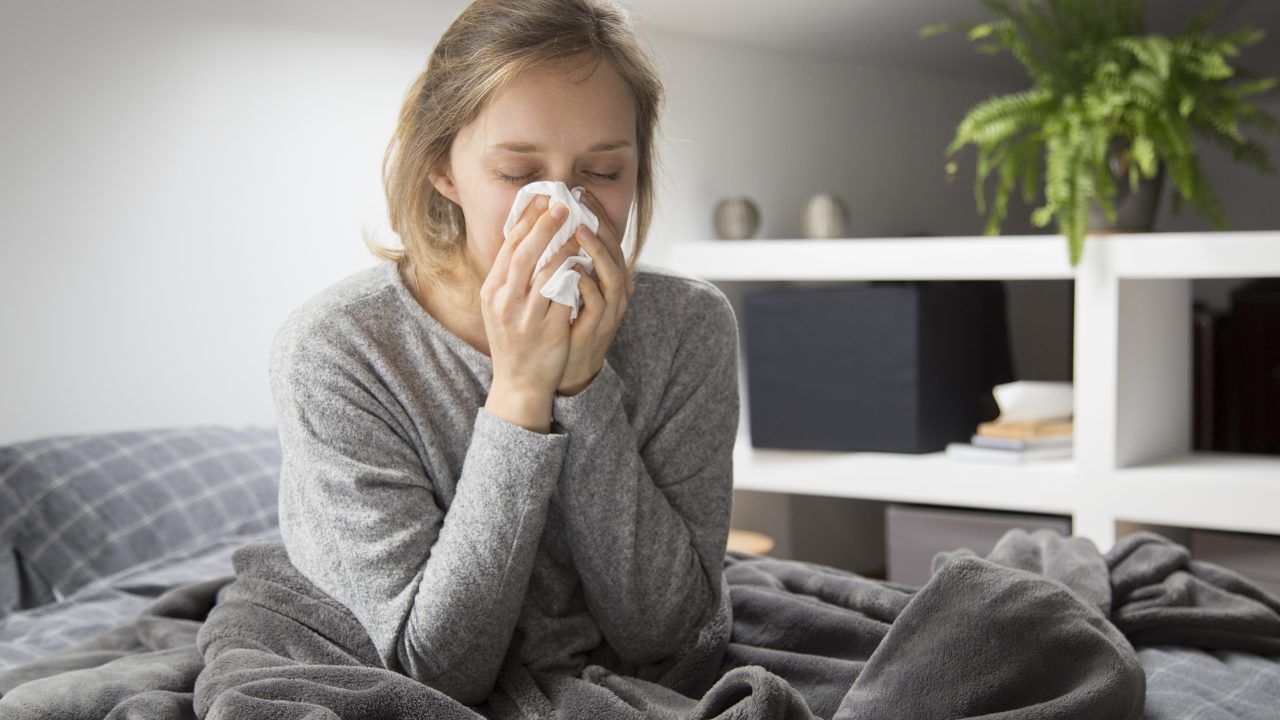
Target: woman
{"type": "Point", "coordinates": [476, 478]}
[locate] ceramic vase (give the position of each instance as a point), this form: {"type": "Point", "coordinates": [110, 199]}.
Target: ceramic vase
{"type": "Point", "coordinates": [825, 216]}
{"type": "Point", "coordinates": [736, 218]}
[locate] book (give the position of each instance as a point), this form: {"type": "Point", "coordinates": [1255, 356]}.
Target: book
{"type": "Point", "coordinates": [966, 451]}
{"type": "Point", "coordinates": [1003, 443]}
{"type": "Point", "coordinates": [1027, 429]}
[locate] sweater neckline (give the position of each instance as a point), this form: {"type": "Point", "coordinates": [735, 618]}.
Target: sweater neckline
{"type": "Point", "coordinates": [433, 325]}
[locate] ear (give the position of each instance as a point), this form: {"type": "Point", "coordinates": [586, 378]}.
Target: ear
{"type": "Point", "coordinates": [442, 179]}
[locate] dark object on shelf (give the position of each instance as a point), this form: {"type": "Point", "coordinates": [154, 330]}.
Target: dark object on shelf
{"type": "Point", "coordinates": [913, 535]}
{"type": "Point", "coordinates": [1204, 383]}
{"type": "Point", "coordinates": [1236, 371]}
{"type": "Point", "coordinates": [893, 367]}
{"type": "Point", "coordinates": [1254, 365]}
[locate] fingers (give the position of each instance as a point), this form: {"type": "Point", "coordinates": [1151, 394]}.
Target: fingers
{"type": "Point", "coordinates": [502, 262]}
{"type": "Point", "coordinates": [558, 313]}
{"type": "Point", "coordinates": [569, 249]}
{"type": "Point", "coordinates": [615, 282]}
{"type": "Point", "coordinates": [527, 219]}
{"type": "Point", "coordinates": [592, 301]}
{"type": "Point", "coordinates": [607, 232]}
{"type": "Point", "coordinates": [526, 254]}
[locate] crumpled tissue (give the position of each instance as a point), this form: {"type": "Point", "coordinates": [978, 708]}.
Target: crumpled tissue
{"type": "Point", "coordinates": [563, 285]}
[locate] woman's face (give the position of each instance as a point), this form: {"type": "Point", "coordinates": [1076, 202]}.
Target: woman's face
{"type": "Point", "coordinates": [572, 121]}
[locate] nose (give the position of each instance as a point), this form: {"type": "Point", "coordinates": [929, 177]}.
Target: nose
{"type": "Point", "coordinates": [561, 170]}
{"type": "Point", "coordinates": [566, 178]}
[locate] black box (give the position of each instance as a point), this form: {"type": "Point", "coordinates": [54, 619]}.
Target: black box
{"type": "Point", "coordinates": [894, 367]}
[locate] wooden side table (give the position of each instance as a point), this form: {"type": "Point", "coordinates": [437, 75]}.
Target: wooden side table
{"type": "Point", "coordinates": [750, 541]}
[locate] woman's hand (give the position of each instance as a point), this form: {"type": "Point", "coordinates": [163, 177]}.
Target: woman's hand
{"type": "Point", "coordinates": [528, 333]}
{"type": "Point", "coordinates": [604, 302]}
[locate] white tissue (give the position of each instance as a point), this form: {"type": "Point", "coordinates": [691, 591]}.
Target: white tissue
{"type": "Point", "coordinates": [563, 285]}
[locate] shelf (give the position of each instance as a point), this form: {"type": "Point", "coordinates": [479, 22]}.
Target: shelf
{"type": "Point", "coordinates": [1006, 257]}
{"type": "Point", "coordinates": [1189, 255]}
{"type": "Point", "coordinates": [1203, 490]}
{"type": "Point", "coordinates": [932, 478]}
{"type": "Point", "coordinates": [1035, 257]}
{"type": "Point", "coordinates": [1132, 374]}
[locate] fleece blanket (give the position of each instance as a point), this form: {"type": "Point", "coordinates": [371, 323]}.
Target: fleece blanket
{"type": "Point", "coordinates": [1043, 627]}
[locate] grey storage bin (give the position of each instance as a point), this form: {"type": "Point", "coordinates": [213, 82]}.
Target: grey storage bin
{"type": "Point", "coordinates": [913, 535]}
{"type": "Point", "coordinates": [1254, 556]}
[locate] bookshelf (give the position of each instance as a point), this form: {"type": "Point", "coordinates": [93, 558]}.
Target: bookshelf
{"type": "Point", "coordinates": [1133, 460]}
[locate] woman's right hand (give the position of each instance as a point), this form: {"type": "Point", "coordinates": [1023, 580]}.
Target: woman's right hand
{"type": "Point", "coordinates": [528, 334]}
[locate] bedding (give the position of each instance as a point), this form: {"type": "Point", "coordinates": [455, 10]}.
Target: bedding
{"type": "Point", "coordinates": [75, 509]}
{"type": "Point", "coordinates": [219, 625]}
{"type": "Point", "coordinates": [114, 601]}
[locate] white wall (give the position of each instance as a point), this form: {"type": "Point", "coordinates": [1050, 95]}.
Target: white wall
{"type": "Point", "coordinates": [176, 178]}
{"type": "Point", "coordinates": [779, 128]}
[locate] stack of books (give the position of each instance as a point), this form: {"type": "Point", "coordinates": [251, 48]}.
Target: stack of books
{"type": "Point", "coordinates": [1035, 424]}
{"type": "Point", "coordinates": [1017, 442]}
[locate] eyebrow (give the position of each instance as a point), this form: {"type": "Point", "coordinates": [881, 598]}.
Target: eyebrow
{"type": "Point", "coordinates": [524, 147]}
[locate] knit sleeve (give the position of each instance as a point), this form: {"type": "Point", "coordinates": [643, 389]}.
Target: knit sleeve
{"type": "Point", "coordinates": [437, 582]}
{"type": "Point", "coordinates": [648, 521]}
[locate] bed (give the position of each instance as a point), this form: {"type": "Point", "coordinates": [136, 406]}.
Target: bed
{"type": "Point", "coordinates": [118, 553]}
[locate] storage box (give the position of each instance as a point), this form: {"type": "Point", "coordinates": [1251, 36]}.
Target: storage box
{"type": "Point", "coordinates": [913, 535]}
{"type": "Point", "coordinates": [897, 367]}
{"type": "Point", "coordinates": [1256, 557]}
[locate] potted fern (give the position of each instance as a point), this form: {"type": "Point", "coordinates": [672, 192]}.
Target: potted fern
{"type": "Point", "coordinates": [1110, 107]}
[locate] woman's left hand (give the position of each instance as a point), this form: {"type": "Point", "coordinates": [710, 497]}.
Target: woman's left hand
{"type": "Point", "coordinates": [604, 302]}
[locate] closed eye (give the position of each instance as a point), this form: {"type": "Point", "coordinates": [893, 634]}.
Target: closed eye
{"type": "Point", "coordinates": [516, 180]}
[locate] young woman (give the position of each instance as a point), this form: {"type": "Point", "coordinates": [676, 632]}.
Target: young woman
{"type": "Point", "coordinates": [476, 478]}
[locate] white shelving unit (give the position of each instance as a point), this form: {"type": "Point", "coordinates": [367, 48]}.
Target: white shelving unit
{"type": "Point", "coordinates": [1132, 461]}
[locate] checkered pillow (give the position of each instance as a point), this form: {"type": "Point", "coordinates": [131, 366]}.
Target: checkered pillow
{"type": "Point", "coordinates": [75, 509]}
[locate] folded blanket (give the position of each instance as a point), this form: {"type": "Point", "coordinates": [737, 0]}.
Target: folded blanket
{"type": "Point", "coordinates": [1043, 627]}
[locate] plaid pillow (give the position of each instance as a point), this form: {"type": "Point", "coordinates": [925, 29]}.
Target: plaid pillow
{"type": "Point", "coordinates": [75, 509]}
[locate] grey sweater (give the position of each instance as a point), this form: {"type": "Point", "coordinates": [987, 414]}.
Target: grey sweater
{"type": "Point", "coordinates": [459, 539]}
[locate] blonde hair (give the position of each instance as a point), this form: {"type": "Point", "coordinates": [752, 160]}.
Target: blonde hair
{"type": "Point", "coordinates": [485, 47]}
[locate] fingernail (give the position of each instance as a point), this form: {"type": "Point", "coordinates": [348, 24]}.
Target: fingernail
{"type": "Point", "coordinates": [583, 232]}
{"type": "Point", "coordinates": [559, 212]}
{"type": "Point", "coordinates": [540, 202]}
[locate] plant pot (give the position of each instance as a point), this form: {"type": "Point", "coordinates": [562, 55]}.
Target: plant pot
{"type": "Point", "coordinates": [1135, 209]}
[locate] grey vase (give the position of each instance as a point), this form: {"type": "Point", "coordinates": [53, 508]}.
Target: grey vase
{"type": "Point", "coordinates": [825, 217]}
{"type": "Point", "coordinates": [736, 218]}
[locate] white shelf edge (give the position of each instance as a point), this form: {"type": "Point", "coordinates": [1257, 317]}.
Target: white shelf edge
{"type": "Point", "coordinates": [1020, 257]}
{"type": "Point", "coordinates": [1215, 491]}
{"type": "Point", "coordinates": [1239, 254]}
{"type": "Point", "coordinates": [1002, 257]}
{"type": "Point", "coordinates": [932, 479]}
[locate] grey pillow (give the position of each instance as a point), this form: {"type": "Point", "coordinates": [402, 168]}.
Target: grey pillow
{"type": "Point", "coordinates": [75, 509]}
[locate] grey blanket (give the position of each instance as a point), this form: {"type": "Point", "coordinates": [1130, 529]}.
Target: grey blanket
{"type": "Point", "coordinates": [1044, 627]}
